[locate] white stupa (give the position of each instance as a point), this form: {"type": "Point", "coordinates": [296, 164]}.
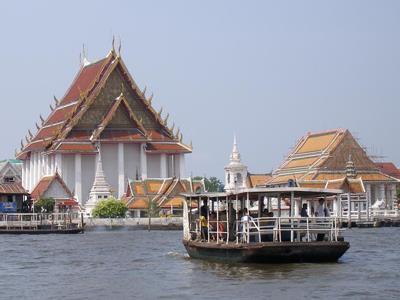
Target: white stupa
{"type": "Point", "coordinates": [100, 189]}
{"type": "Point", "coordinates": [235, 171]}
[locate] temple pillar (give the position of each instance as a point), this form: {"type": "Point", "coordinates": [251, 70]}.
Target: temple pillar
{"type": "Point", "coordinates": [35, 169]}
{"type": "Point", "coordinates": [143, 161]}
{"type": "Point", "coordinates": [121, 170]}
{"type": "Point", "coordinates": [163, 165]}
{"type": "Point", "coordinates": [369, 200]}
{"type": "Point", "coordinates": [58, 163]}
{"type": "Point", "coordinates": [23, 173]}
{"type": "Point", "coordinates": [78, 178]}
{"type": "Point", "coordinates": [182, 165]}
{"type": "Point", "coordinates": [30, 179]}
{"type": "Point", "coordinates": [382, 192]}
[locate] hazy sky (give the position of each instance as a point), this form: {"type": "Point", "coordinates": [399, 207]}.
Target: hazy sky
{"type": "Point", "coordinates": [267, 71]}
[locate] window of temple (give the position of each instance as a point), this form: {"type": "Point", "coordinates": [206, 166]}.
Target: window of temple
{"type": "Point", "coordinates": [9, 179]}
{"type": "Point", "coordinates": [239, 179]}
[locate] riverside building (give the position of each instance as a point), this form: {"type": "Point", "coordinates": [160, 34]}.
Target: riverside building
{"type": "Point", "coordinates": [103, 112]}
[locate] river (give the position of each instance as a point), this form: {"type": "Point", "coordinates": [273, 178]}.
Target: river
{"type": "Point", "coordinates": [133, 264]}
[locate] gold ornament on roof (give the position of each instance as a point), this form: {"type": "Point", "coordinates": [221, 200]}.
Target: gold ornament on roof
{"type": "Point", "coordinates": [37, 126]}
{"type": "Point", "coordinates": [55, 100]}
{"type": "Point", "coordinates": [51, 107]}
{"type": "Point", "coordinates": [41, 119]}
{"type": "Point", "coordinates": [166, 119]}
{"type": "Point", "coordinates": [150, 99]}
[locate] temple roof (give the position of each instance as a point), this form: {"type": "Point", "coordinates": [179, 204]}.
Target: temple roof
{"type": "Point", "coordinates": [103, 103]}
{"type": "Point", "coordinates": [164, 192]}
{"type": "Point", "coordinates": [44, 184]}
{"type": "Point", "coordinates": [389, 169]}
{"type": "Point", "coordinates": [324, 156]}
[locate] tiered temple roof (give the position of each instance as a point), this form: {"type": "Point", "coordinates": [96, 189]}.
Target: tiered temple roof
{"type": "Point", "coordinates": [319, 158]}
{"type": "Point", "coordinates": [164, 192]}
{"type": "Point", "coordinates": [103, 104]}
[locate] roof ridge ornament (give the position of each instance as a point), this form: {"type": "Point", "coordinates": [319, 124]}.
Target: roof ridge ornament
{"type": "Point", "coordinates": [41, 119]}
{"type": "Point", "coordinates": [56, 101]}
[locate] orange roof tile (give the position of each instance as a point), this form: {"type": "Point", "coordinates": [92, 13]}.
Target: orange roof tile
{"type": "Point", "coordinates": [12, 188]}
{"type": "Point", "coordinates": [302, 162]}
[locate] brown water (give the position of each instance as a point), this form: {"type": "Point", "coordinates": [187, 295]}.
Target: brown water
{"type": "Point", "coordinates": [154, 265]}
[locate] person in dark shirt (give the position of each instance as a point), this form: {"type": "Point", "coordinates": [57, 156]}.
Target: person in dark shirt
{"type": "Point", "coordinates": [304, 213]}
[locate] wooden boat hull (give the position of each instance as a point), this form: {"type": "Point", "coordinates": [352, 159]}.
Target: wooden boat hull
{"type": "Point", "coordinates": [283, 252]}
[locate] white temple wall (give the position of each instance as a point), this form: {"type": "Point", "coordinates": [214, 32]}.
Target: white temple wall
{"type": "Point", "coordinates": [88, 173]}
{"type": "Point", "coordinates": [170, 165]}
{"type": "Point", "coordinates": [68, 171]}
{"type": "Point", "coordinates": [109, 157]}
{"type": "Point", "coordinates": [177, 165]}
{"type": "Point", "coordinates": [132, 161]}
{"type": "Point", "coordinates": [153, 165]}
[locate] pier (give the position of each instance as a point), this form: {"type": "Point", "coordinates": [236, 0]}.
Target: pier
{"type": "Point", "coordinates": [41, 223]}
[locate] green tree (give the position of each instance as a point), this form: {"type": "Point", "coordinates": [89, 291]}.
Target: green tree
{"type": "Point", "coordinates": [212, 184]}
{"type": "Point", "coordinates": [110, 208]}
{"type": "Point", "coordinates": [46, 205]}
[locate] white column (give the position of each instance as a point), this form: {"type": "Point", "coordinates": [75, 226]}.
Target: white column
{"type": "Point", "coordinates": [47, 162]}
{"type": "Point", "coordinates": [182, 167]}
{"type": "Point", "coordinates": [121, 170]}
{"type": "Point", "coordinates": [143, 161]}
{"type": "Point", "coordinates": [382, 192]}
{"type": "Point", "coordinates": [163, 166]}
{"type": "Point", "coordinates": [23, 172]}
{"type": "Point", "coordinates": [78, 178]}
{"type": "Point", "coordinates": [35, 168]}
{"type": "Point", "coordinates": [30, 179]}
{"type": "Point", "coordinates": [58, 163]}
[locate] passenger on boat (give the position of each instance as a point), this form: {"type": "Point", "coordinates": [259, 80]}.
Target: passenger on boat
{"type": "Point", "coordinates": [204, 209]}
{"type": "Point", "coordinates": [304, 213]}
{"type": "Point", "coordinates": [321, 212]}
{"type": "Point", "coordinates": [204, 228]}
{"type": "Point", "coordinates": [245, 223]}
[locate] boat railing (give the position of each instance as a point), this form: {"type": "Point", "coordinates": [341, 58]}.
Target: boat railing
{"type": "Point", "coordinates": [285, 229]}
{"type": "Point", "coordinates": [269, 229]}
{"type": "Point", "coordinates": [37, 220]}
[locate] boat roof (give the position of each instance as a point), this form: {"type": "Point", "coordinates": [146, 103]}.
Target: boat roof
{"type": "Point", "coordinates": [266, 191]}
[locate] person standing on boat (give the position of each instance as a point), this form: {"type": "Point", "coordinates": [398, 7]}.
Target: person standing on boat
{"type": "Point", "coordinates": [304, 213]}
{"type": "Point", "coordinates": [245, 223]}
{"type": "Point", "coordinates": [321, 212]}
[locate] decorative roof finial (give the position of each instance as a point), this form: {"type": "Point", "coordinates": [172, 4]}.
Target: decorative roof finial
{"type": "Point", "coordinates": [85, 61]}
{"type": "Point", "coordinates": [160, 112]}
{"type": "Point", "coordinates": [113, 43]}
{"type": "Point", "coordinates": [41, 119]}
{"type": "Point", "coordinates": [30, 133]}
{"type": "Point", "coordinates": [26, 139]}
{"type": "Point", "coordinates": [119, 47]}
{"type": "Point", "coordinates": [56, 101]}
{"type": "Point", "coordinates": [144, 91]}
{"type": "Point", "coordinates": [166, 119]}
{"type": "Point", "coordinates": [22, 144]}
{"type": "Point", "coordinates": [150, 99]}
{"type": "Point", "coordinates": [51, 107]}
{"type": "Point", "coordinates": [172, 128]}
{"type": "Point", "coordinates": [191, 144]}
{"type": "Point", "coordinates": [37, 126]}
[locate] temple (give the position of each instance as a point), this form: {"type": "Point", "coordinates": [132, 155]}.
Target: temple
{"type": "Point", "coordinates": [334, 159]}
{"type": "Point", "coordinates": [237, 176]}
{"type": "Point", "coordinates": [102, 109]}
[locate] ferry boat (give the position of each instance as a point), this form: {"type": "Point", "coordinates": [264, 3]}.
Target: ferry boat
{"type": "Point", "coordinates": [218, 231]}
{"type": "Point", "coordinates": [41, 223]}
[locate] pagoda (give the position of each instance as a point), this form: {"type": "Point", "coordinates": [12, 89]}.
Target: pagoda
{"type": "Point", "coordinates": [102, 109]}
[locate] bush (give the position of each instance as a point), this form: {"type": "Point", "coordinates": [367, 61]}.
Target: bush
{"type": "Point", "coordinates": [109, 208]}
{"type": "Point", "coordinates": [45, 205]}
